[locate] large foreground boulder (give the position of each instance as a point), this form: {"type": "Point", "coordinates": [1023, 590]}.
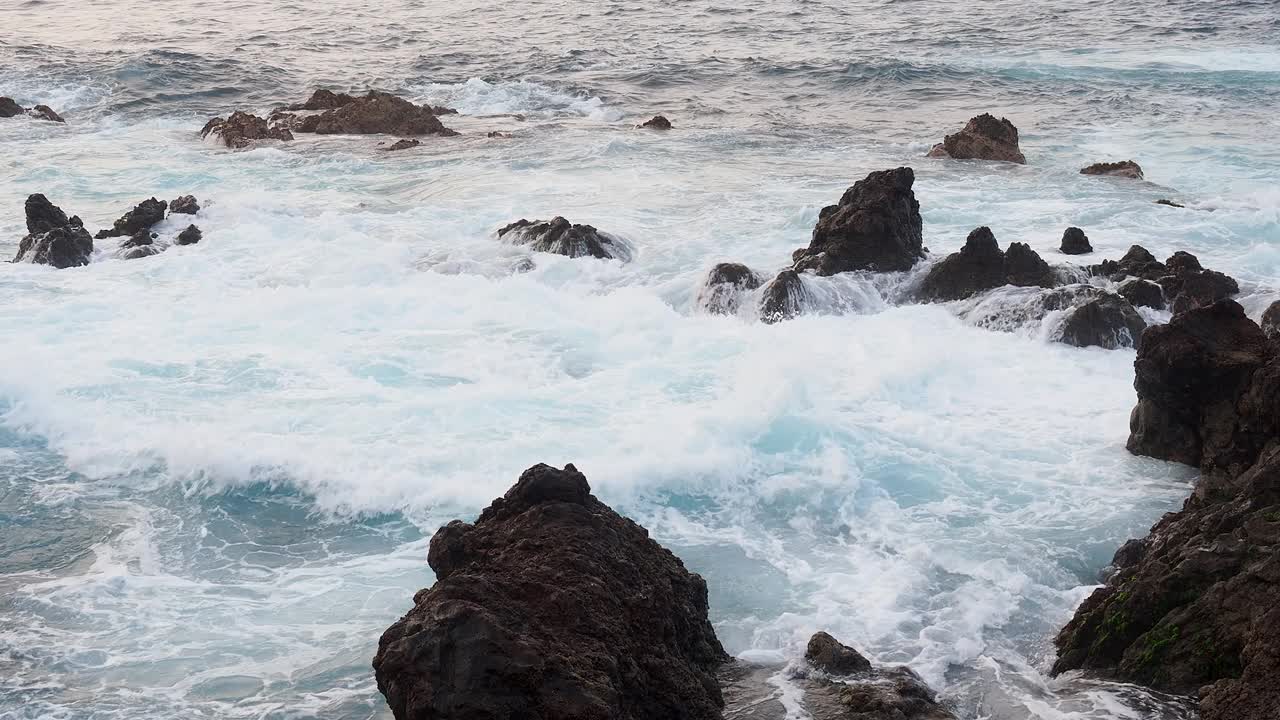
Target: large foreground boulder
{"type": "Point", "coordinates": [1195, 606]}
{"type": "Point", "coordinates": [53, 238]}
{"type": "Point", "coordinates": [552, 606]}
{"type": "Point", "coordinates": [242, 130]}
{"type": "Point", "coordinates": [983, 138]}
{"type": "Point", "coordinates": [1124, 168]}
{"type": "Point", "coordinates": [876, 226]}
{"type": "Point", "coordinates": [981, 265]}
{"type": "Point", "coordinates": [562, 237]}
{"type": "Point", "coordinates": [373, 114]}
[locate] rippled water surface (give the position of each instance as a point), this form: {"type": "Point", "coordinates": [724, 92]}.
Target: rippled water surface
{"type": "Point", "coordinates": [220, 466]}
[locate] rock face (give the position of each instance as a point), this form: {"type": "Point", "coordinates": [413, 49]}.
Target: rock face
{"type": "Point", "coordinates": [242, 129]}
{"type": "Point", "coordinates": [551, 605]}
{"type": "Point", "coordinates": [657, 122]}
{"type": "Point", "coordinates": [982, 265]}
{"type": "Point", "coordinates": [1195, 606]}
{"type": "Point", "coordinates": [561, 237]}
{"type": "Point", "coordinates": [1075, 242]}
{"type": "Point", "coordinates": [375, 113]}
{"type": "Point", "coordinates": [53, 238]}
{"type": "Point", "coordinates": [190, 236]}
{"type": "Point", "coordinates": [1271, 321]}
{"type": "Point", "coordinates": [1124, 169]}
{"type": "Point", "coordinates": [983, 138]}
{"type": "Point", "coordinates": [1107, 321]}
{"type": "Point", "coordinates": [784, 298]}
{"type": "Point", "coordinates": [721, 293]}
{"type": "Point", "coordinates": [184, 205]}
{"type": "Point", "coordinates": [1142, 293]}
{"type": "Point", "coordinates": [876, 226]}
{"type": "Point", "coordinates": [143, 217]}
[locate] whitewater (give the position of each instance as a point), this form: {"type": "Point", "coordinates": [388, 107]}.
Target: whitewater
{"type": "Point", "coordinates": [220, 466]}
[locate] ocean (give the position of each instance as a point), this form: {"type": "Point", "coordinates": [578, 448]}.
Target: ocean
{"type": "Point", "coordinates": [220, 466]}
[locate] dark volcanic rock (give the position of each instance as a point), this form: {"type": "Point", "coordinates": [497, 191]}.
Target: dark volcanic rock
{"type": "Point", "coordinates": [9, 108]}
{"type": "Point", "coordinates": [53, 238]}
{"type": "Point", "coordinates": [830, 656]}
{"type": "Point", "coordinates": [1197, 605]}
{"type": "Point", "coordinates": [376, 113]}
{"type": "Point", "coordinates": [725, 285]}
{"type": "Point", "coordinates": [1107, 321]}
{"type": "Point", "coordinates": [1124, 169]}
{"type": "Point", "coordinates": [876, 226]}
{"type": "Point", "coordinates": [190, 236]}
{"type": "Point", "coordinates": [142, 217]}
{"type": "Point", "coordinates": [1075, 242]}
{"type": "Point", "coordinates": [983, 138]}
{"type": "Point", "coordinates": [657, 122]}
{"type": "Point", "coordinates": [1271, 321]}
{"type": "Point", "coordinates": [1137, 262]}
{"type": "Point", "coordinates": [551, 605]}
{"type": "Point", "coordinates": [561, 237]}
{"type": "Point", "coordinates": [404, 145]}
{"type": "Point", "coordinates": [139, 245]}
{"type": "Point", "coordinates": [184, 205]}
{"type": "Point", "coordinates": [242, 129]}
{"type": "Point", "coordinates": [981, 265]}
{"type": "Point", "coordinates": [1170, 203]}
{"type": "Point", "coordinates": [323, 100]}
{"type": "Point", "coordinates": [1142, 293]}
{"type": "Point", "coordinates": [1191, 286]}
{"type": "Point", "coordinates": [44, 112]}
{"type": "Point", "coordinates": [783, 298]}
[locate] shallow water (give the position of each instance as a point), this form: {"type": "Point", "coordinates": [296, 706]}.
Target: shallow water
{"type": "Point", "coordinates": [220, 466]}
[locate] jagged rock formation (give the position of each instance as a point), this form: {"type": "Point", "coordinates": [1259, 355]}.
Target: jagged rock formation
{"type": "Point", "coordinates": [374, 113]}
{"type": "Point", "coordinates": [875, 226]}
{"type": "Point", "coordinates": [983, 138]}
{"type": "Point", "coordinates": [1124, 168]}
{"type": "Point", "coordinates": [184, 205]}
{"type": "Point", "coordinates": [657, 122]}
{"type": "Point", "coordinates": [561, 237]}
{"type": "Point", "coordinates": [982, 265]}
{"type": "Point", "coordinates": [142, 217]}
{"type": "Point", "coordinates": [242, 129]}
{"type": "Point", "coordinates": [53, 238]}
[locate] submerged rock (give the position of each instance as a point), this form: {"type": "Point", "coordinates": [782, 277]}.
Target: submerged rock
{"type": "Point", "coordinates": [981, 265]}
{"type": "Point", "coordinates": [9, 108]}
{"type": "Point", "coordinates": [1142, 293]}
{"type": "Point", "coordinates": [657, 122]}
{"type": "Point", "coordinates": [184, 205]}
{"type": "Point", "coordinates": [561, 237]}
{"type": "Point", "coordinates": [783, 298]}
{"type": "Point", "coordinates": [44, 112]}
{"type": "Point", "coordinates": [53, 238]}
{"type": "Point", "coordinates": [551, 605]}
{"type": "Point", "coordinates": [190, 236]}
{"type": "Point", "coordinates": [1170, 203]}
{"type": "Point", "coordinates": [373, 114]}
{"type": "Point", "coordinates": [1196, 605]}
{"type": "Point", "coordinates": [1107, 321]}
{"type": "Point", "coordinates": [404, 145]}
{"type": "Point", "coordinates": [1124, 169]}
{"type": "Point", "coordinates": [242, 129]}
{"type": "Point", "coordinates": [876, 226]}
{"type": "Point", "coordinates": [139, 245]}
{"type": "Point", "coordinates": [1271, 321]}
{"type": "Point", "coordinates": [983, 138]}
{"type": "Point", "coordinates": [143, 217]}
{"type": "Point", "coordinates": [1075, 242]}
{"type": "Point", "coordinates": [721, 293]}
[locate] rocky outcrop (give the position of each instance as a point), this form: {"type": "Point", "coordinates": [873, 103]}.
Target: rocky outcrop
{"type": "Point", "coordinates": [323, 100]}
{"type": "Point", "coordinates": [561, 237]}
{"type": "Point", "coordinates": [1195, 606]}
{"type": "Point", "coordinates": [184, 205]}
{"type": "Point", "coordinates": [1197, 289]}
{"type": "Point", "coordinates": [1124, 168]}
{"type": "Point", "coordinates": [784, 298]}
{"type": "Point", "coordinates": [1142, 293]}
{"type": "Point", "coordinates": [44, 112]}
{"type": "Point", "coordinates": [242, 129]}
{"type": "Point", "coordinates": [1075, 242]}
{"type": "Point", "coordinates": [139, 245]}
{"type": "Point", "coordinates": [1186, 284]}
{"type": "Point", "coordinates": [404, 145]}
{"type": "Point", "coordinates": [53, 238]}
{"type": "Point", "coordinates": [981, 265]}
{"type": "Point", "coordinates": [9, 108]}
{"type": "Point", "coordinates": [190, 236]}
{"type": "Point", "coordinates": [657, 122]}
{"type": "Point", "coordinates": [721, 293]}
{"type": "Point", "coordinates": [551, 605]}
{"type": "Point", "coordinates": [1137, 262]}
{"type": "Point", "coordinates": [983, 138]}
{"type": "Point", "coordinates": [145, 215]}
{"type": "Point", "coordinates": [1271, 321]}
{"type": "Point", "coordinates": [1107, 321]}
{"type": "Point", "coordinates": [377, 113]}
{"type": "Point", "coordinates": [876, 226]}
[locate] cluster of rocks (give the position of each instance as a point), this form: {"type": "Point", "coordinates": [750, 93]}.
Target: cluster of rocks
{"type": "Point", "coordinates": [62, 242]}
{"type": "Point", "coordinates": [9, 108]}
{"type": "Point", "coordinates": [329, 113]}
{"type": "Point", "coordinates": [561, 237]}
{"type": "Point", "coordinates": [1195, 606]}
{"type": "Point", "coordinates": [1183, 284]}
{"type": "Point", "coordinates": [552, 605]}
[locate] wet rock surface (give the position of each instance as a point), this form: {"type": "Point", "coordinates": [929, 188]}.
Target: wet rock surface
{"type": "Point", "coordinates": [657, 122]}
{"type": "Point", "coordinates": [184, 205]}
{"type": "Point", "coordinates": [551, 605]}
{"type": "Point", "coordinates": [784, 298]}
{"type": "Point", "coordinates": [190, 236]}
{"type": "Point", "coordinates": [1124, 168]}
{"type": "Point", "coordinates": [981, 265]}
{"type": "Point", "coordinates": [9, 108]}
{"type": "Point", "coordinates": [242, 130]}
{"type": "Point", "coordinates": [1075, 242]}
{"type": "Point", "coordinates": [1194, 607]}
{"type": "Point", "coordinates": [562, 237]}
{"type": "Point", "coordinates": [982, 138]}
{"type": "Point", "coordinates": [142, 217]}
{"type": "Point", "coordinates": [1107, 321]}
{"type": "Point", "coordinates": [1142, 293]}
{"type": "Point", "coordinates": [1271, 321]}
{"type": "Point", "coordinates": [721, 293]}
{"type": "Point", "coordinates": [53, 238]}
{"type": "Point", "coordinates": [875, 226]}
{"type": "Point", "coordinates": [377, 113]}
